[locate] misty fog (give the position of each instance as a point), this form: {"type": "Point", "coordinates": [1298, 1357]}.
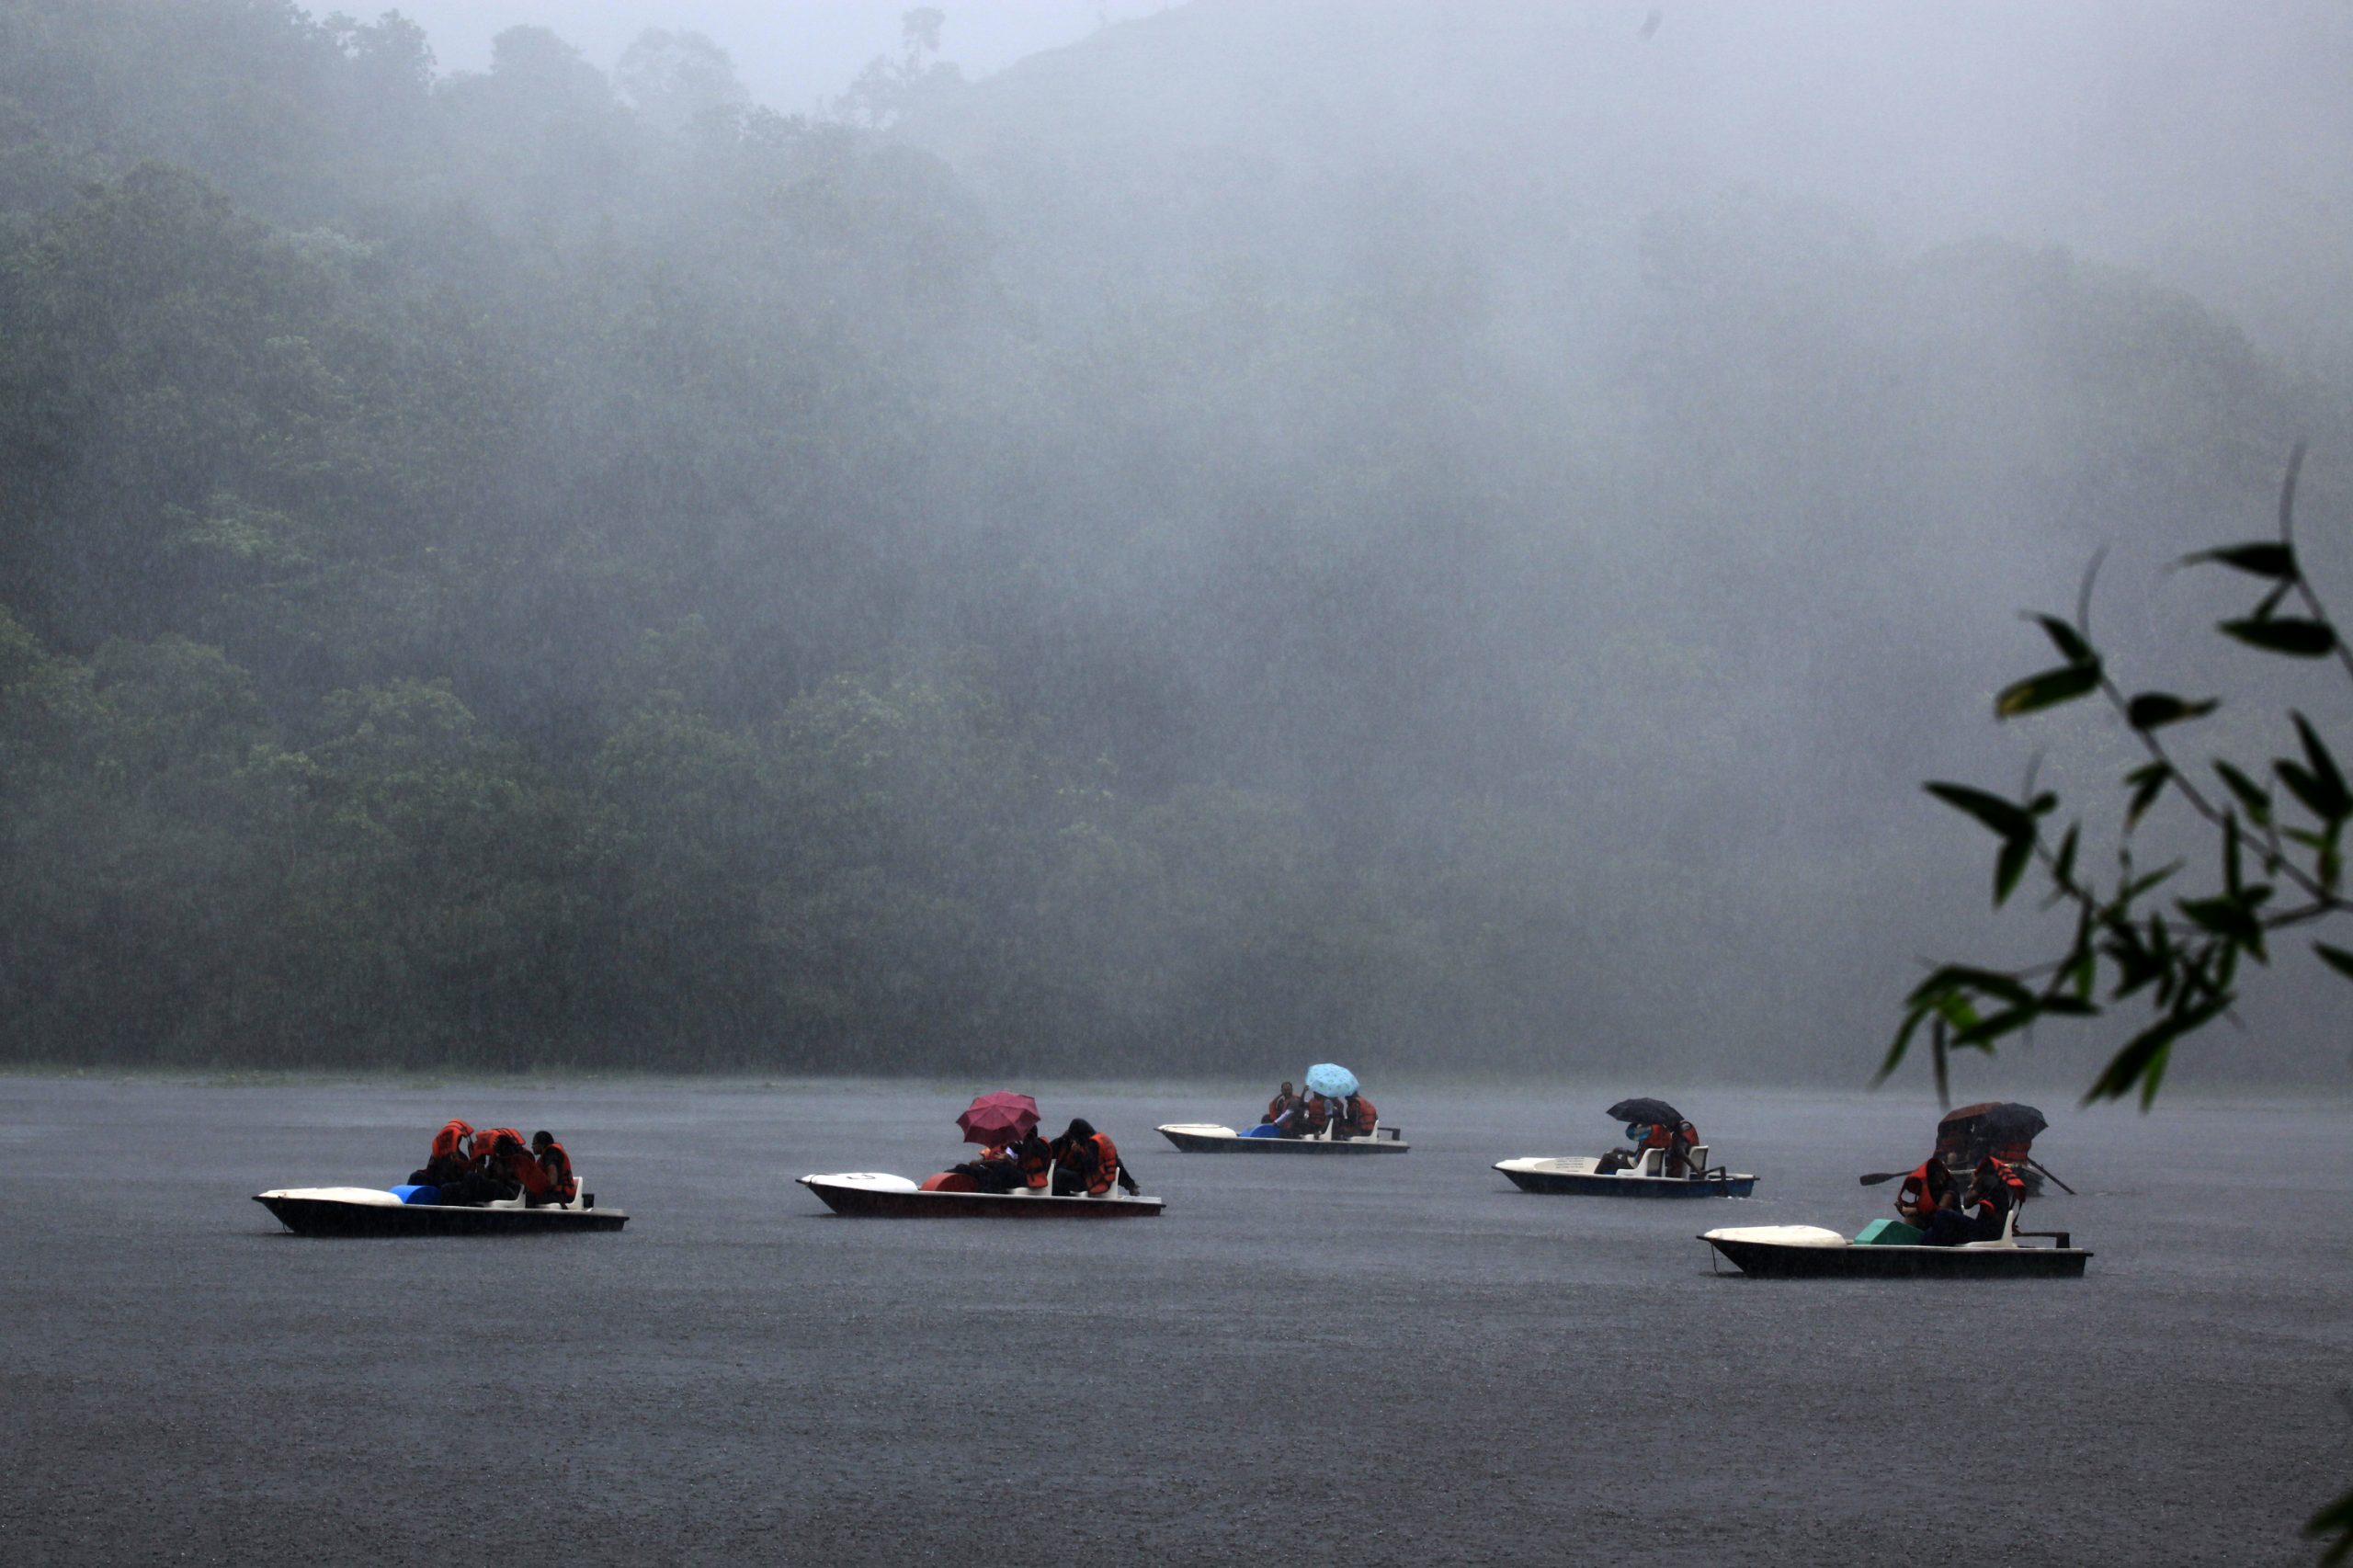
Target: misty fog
{"type": "Point", "coordinates": [1448, 536]}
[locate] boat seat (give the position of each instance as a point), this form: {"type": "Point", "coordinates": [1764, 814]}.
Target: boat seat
{"type": "Point", "coordinates": [2009, 1238]}
{"type": "Point", "coordinates": [1649, 1163]}
{"type": "Point", "coordinates": [1695, 1160]}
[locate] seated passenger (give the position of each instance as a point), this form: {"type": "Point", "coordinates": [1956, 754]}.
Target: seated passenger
{"type": "Point", "coordinates": [1357, 1117]}
{"type": "Point", "coordinates": [451, 1158]}
{"type": "Point", "coordinates": [1926, 1193]}
{"type": "Point", "coordinates": [1033, 1158]}
{"type": "Point", "coordinates": [1314, 1116]}
{"type": "Point", "coordinates": [1088, 1161]}
{"type": "Point", "coordinates": [997, 1169]}
{"type": "Point", "coordinates": [546, 1175]}
{"type": "Point", "coordinates": [1284, 1102]}
{"type": "Point", "coordinates": [1995, 1192]}
{"type": "Point", "coordinates": [494, 1178]}
{"type": "Point", "coordinates": [1680, 1140]}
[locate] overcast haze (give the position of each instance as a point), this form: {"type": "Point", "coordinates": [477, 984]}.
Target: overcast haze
{"type": "Point", "coordinates": [1443, 535]}
{"type": "Point", "coordinates": [795, 55]}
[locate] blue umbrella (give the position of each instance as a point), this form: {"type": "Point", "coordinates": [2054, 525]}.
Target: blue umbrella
{"type": "Point", "coordinates": [1330, 1080]}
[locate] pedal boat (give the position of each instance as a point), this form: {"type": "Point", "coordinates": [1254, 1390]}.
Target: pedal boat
{"type": "Point", "coordinates": [1207, 1137]}
{"type": "Point", "coordinates": [875, 1194]}
{"type": "Point", "coordinates": [1808, 1252]}
{"type": "Point", "coordinates": [375, 1211]}
{"type": "Point", "coordinates": [1577, 1176]}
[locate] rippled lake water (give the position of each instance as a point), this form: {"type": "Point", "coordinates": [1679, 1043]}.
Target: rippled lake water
{"type": "Point", "coordinates": [1367, 1360]}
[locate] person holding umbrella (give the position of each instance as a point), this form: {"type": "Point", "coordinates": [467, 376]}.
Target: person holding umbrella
{"type": "Point", "coordinates": [1335, 1103]}
{"type": "Point", "coordinates": [1004, 1125]}
{"type": "Point", "coordinates": [1655, 1124]}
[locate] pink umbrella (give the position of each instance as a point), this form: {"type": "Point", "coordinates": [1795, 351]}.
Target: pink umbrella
{"type": "Point", "coordinates": [999, 1117]}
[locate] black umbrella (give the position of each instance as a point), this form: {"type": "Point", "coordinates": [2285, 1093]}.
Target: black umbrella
{"type": "Point", "coordinates": [2000, 1123]}
{"type": "Point", "coordinates": [1646, 1111]}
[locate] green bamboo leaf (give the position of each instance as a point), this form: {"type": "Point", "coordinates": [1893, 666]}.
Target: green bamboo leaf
{"type": "Point", "coordinates": [2257, 801]}
{"type": "Point", "coordinates": [2063, 867]}
{"type": "Point", "coordinates": [1942, 1067]}
{"type": "Point", "coordinates": [2048, 690]}
{"type": "Point", "coordinates": [2007, 820]}
{"type": "Point", "coordinates": [2337, 959]}
{"type": "Point", "coordinates": [2070, 644]}
{"type": "Point", "coordinates": [1955, 980]}
{"type": "Point", "coordinates": [2009, 866]}
{"type": "Point", "coordinates": [2142, 1060]}
{"type": "Point", "coordinates": [2233, 919]}
{"type": "Point", "coordinates": [1902, 1041]}
{"type": "Point", "coordinates": [2262, 558]}
{"type": "Point", "coordinates": [2324, 771]}
{"type": "Point", "coordinates": [2147, 783]}
{"type": "Point", "coordinates": [2154, 710]}
{"type": "Point", "coordinates": [2296, 638]}
{"type": "Point", "coordinates": [1986, 1031]}
{"type": "Point", "coordinates": [2306, 788]}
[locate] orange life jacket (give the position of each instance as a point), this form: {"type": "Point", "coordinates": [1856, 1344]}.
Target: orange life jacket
{"type": "Point", "coordinates": [1998, 1185]}
{"type": "Point", "coordinates": [1037, 1157]}
{"type": "Point", "coordinates": [1359, 1117]}
{"type": "Point", "coordinates": [486, 1145]}
{"type": "Point", "coordinates": [1319, 1112]}
{"type": "Point", "coordinates": [1679, 1144]}
{"type": "Point", "coordinates": [1916, 1195]}
{"type": "Point", "coordinates": [1106, 1166]}
{"type": "Point", "coordinates": [450, 1139]}
{"type": "Point", "coordinates": [1658, 1137]}
{"type": "Point", "coordinates": [1280, 1104]}
{"type": "Point", "coordinates": [549, 1173]}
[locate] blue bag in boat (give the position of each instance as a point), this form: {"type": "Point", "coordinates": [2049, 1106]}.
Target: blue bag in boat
{"type": "Point", "coordinates": [415, 1193]}
{"type": "Point", "coordinates": [1264, 1129]}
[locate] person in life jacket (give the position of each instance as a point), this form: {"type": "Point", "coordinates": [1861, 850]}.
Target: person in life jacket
{"type": "Point", "coordinates": [1995, 1192]}
{"type": "Point", "coordinates": [451, 1158]}
{"type": "Point", "coordinates": [1033, 1158]}
{"type": "Point", "coordinates": [495, 1177]}
{"type": "Point", "coordinates": [1926, 1192]}
{"type": "Point", "coordinates": [546, 1176]}
{"type": "Point", "coordinates": [1682, 1139]}
{"type": "Point", "coordinates": [997, 1169]}
{"type": "Point", "coordinates": [1285, 1101]}
{"type": "Point", "coordinates": [1357, 1118]}
{"type": "Point", "coordinates": [1649, 1135]}
{"type": "Point", "coordinates": [1088, 1161]}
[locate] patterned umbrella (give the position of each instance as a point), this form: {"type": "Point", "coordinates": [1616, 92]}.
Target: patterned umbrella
{"type": "Point", "coordinates": [1330, 1080]}
{"type": "Point", "coordinates": [999, 1118]}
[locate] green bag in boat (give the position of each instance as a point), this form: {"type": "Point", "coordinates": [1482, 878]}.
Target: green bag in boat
{"type": "Point", "coordinates": [1887, 1233]}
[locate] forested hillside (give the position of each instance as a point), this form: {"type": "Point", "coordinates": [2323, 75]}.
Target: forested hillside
{"type": "Point", "coordinates": [550, 567]}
